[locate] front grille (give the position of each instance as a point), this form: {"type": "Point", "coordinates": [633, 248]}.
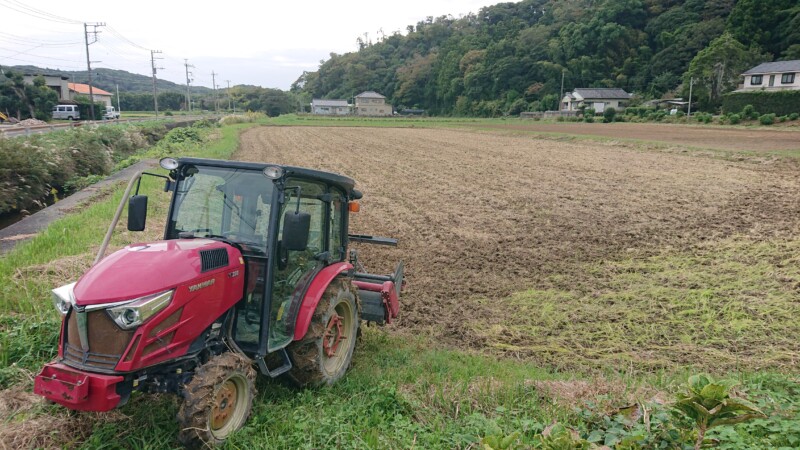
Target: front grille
{"type": "Point", "coordinates": [213, 259]}
{"type": "Point", "coordinates": [107, 342]}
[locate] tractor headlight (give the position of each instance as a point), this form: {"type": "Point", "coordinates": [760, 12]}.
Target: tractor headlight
{"type": "Point", "coordinates": [136, 312]}
{"type": "Point", "coordinates": [63, 298]}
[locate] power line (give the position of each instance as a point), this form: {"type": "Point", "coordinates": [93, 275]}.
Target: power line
{"type": "Point", "coordinates": [24, 40]}
{"type": "Point", "coordinates": [36, 62]}
{"type": "Point", "coordinates": [120, 36]}
{"type": "Point", "coordinates": [26, 52]}
{"type": "Point", "coordinates": [39, 14]}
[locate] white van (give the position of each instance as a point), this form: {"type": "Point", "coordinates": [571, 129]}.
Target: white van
{"type": "Point", "coordinates": [69, 112]}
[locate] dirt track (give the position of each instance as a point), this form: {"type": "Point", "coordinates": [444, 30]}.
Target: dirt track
{"type": "Point", "coordinates": [739, 139]}
{"type": "Point", "coordinates": [481, 215]}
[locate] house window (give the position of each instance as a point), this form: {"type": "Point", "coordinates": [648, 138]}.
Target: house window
{"type": "Point", "coordinates": [787, 78]}
{"type": "Point", "coordinates": [755, 80]}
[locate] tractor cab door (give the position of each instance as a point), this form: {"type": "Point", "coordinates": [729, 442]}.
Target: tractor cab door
{"type": "Point", "coordinates": [293, 270]}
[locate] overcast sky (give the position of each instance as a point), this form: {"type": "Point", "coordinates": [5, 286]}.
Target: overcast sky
{"type": "Point", "coordinates": [265, 43]}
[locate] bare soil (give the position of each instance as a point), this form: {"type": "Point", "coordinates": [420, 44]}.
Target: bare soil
{"type": "Point", "coordinates": [718, 138]}
{"type": "Point", "coordinates": [480, 215]}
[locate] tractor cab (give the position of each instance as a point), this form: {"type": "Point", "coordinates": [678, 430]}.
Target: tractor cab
{"type": "Point", "coordinates": [288, 223]}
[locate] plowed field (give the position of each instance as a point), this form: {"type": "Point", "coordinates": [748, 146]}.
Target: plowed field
{"type": "Point", "coordinates": [480, 216]}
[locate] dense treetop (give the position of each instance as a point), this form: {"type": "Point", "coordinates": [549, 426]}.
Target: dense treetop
{"type": "Point", "coordinates": [510, 57]}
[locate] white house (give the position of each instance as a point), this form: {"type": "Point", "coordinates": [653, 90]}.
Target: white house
{"type": "Point", "coordinates": [597, 98]}
{"type": "Point", "coordinates": [99, 95]}
{"type": "Point", "coordinates": [330, 107]}
{"type": "Point", "coordinates": [773, 76]}
{"type": "Point", "coordinates": [370, 103]}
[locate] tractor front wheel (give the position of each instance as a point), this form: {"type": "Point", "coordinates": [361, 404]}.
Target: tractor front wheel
{"type": "Point", "coordinates": [217, 401]}
{"type": "Point", "coordinates": [323, 356]}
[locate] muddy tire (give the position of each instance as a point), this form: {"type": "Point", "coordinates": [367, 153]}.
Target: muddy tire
{"type": "Point", "coordinates": [217, 401]}
{"type": "Point", "coordinates": [323, 356]}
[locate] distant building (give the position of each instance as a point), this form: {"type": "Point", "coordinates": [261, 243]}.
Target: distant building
{"type": "Point", "coordinates": [370, 103]}
{"type": "Point", "coordinates": [773, 76]}
{"type": "Point", "coordinates": [330, 107]}
{"type": "Point", "coordinates": [597, 98]}
{"type": "Point", "coordinates": [57, 83]}
{"type": "Point", "coordinates": [100, 96]}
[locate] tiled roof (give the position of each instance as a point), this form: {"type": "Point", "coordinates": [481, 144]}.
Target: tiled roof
{"type": "Point", "coordinates": [613, 93]}
{"type": "Point", "coordinates": [369, 94]}
{"type": "Point", "coordinates": [84, 89]}
{"type": "Point", "coordinates": [322, 102]}
{"type": "Point", "coordinates": [775, 67]}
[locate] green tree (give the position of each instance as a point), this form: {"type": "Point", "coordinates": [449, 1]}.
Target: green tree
{"type": "Point", "coordinates": [173, 101]}
{"type": "Point", "coordinates": [24, 100]}
{"type": "Point", "coordinates": [716, 69]}
{"type": "Point", "coordinates": [759, 22]}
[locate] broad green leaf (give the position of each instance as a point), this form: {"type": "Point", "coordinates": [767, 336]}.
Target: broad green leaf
{"type": "Point", "coordinates": [714, 391]}
{"type": "Point", "coordinates": [698, 382]}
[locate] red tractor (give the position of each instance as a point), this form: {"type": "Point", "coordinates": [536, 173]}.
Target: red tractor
{"type": "Point", "coordinates": [253, 272]}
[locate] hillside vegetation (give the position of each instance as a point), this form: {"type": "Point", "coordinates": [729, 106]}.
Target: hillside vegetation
{"type": "Point", "coordinates": [510, 57]}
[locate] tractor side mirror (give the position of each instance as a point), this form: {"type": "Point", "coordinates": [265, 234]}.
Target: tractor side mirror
{"type": "Point", "coordinates": [296, 226]}
{"type": "Point", "coordinates": [137, 212]}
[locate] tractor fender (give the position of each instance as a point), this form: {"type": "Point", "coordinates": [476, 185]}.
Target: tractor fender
{"type": "Point", "coordinates": [314, 294]}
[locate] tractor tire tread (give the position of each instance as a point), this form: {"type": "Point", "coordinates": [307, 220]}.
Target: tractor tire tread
{"type": "Point", "coordinates": [198, 398]}
{"type": "Point", "coordinates": [307, 352]}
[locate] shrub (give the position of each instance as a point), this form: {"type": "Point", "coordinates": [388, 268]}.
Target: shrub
{"type": "Point", "coordinates": [609, 114]}
{"type": "Point", "coordinates": [767, 119]}
{"type": "Point", "coordinates": [734, 119]}
{"type": "Point", "coordinates": [33, 168]}
{"type": "Point", "coordinates": [780, 103]}
{"type": "Point", "coordinates": [680, 114]}
{"type": "Point", "coordinates": [183, 134]}
{"type": "Point", "coordinates": [794, 116]}
{"type": "Point", "coordinates": [749, 112]}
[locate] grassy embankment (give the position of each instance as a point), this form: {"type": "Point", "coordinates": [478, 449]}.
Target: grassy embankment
{"type": "Point", "coordinates": [406, 392]}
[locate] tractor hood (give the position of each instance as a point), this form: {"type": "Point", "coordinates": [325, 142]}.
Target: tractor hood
{"type": "Point", "coordinates": [143, 269]}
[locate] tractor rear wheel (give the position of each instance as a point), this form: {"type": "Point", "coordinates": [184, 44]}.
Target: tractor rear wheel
{"type": "Point", "coordinates": [324, 354]}
{"type": "Point", "coordinates": [217, 401]}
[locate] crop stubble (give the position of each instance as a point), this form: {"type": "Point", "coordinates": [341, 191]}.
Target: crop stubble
{"type": "Point", "coordinates": [481, 215]}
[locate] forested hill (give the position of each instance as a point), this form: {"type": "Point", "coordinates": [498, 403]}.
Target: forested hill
{"type": "Point", "coordinates": [510, 57]}
{"type": "Point", "coordinates": [108, 79]}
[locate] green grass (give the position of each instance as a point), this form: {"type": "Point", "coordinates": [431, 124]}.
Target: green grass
{"type": "Point", "coordinates": [602, 337]}
{"type": "Point", "coordinates": [724, 306]}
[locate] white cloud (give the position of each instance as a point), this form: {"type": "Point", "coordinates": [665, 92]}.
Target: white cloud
{"type": "Point", "coordinates": [262, 43]}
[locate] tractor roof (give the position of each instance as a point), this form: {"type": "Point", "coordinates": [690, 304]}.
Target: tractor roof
{"type": "Point", "coordinates": [341, 181]}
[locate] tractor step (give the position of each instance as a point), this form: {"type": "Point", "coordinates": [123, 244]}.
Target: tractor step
{"type": "Point", "coordinates": [282, 369]}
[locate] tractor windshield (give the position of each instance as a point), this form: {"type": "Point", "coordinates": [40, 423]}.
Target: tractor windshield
{"type": "Point", "coordinates": [222, 202]}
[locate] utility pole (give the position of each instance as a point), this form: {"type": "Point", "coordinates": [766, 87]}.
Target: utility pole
{"type": "Point", "coordinates": [229, 94]}
{"type": "Point", "coordinates": [691, 85]}
{"type": "Point", "coordinates": [562, 90]}
{"type": "Point", "coordinates": [88, 60]}
{"type": "Point", "coordinates": [119, 110]}
{"type": "Point", "coordinates": [214, 85]}
{"type": "Point", "coordinates": [188, 83]}
{"type": "Point", "coordinates": [155, 70]}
